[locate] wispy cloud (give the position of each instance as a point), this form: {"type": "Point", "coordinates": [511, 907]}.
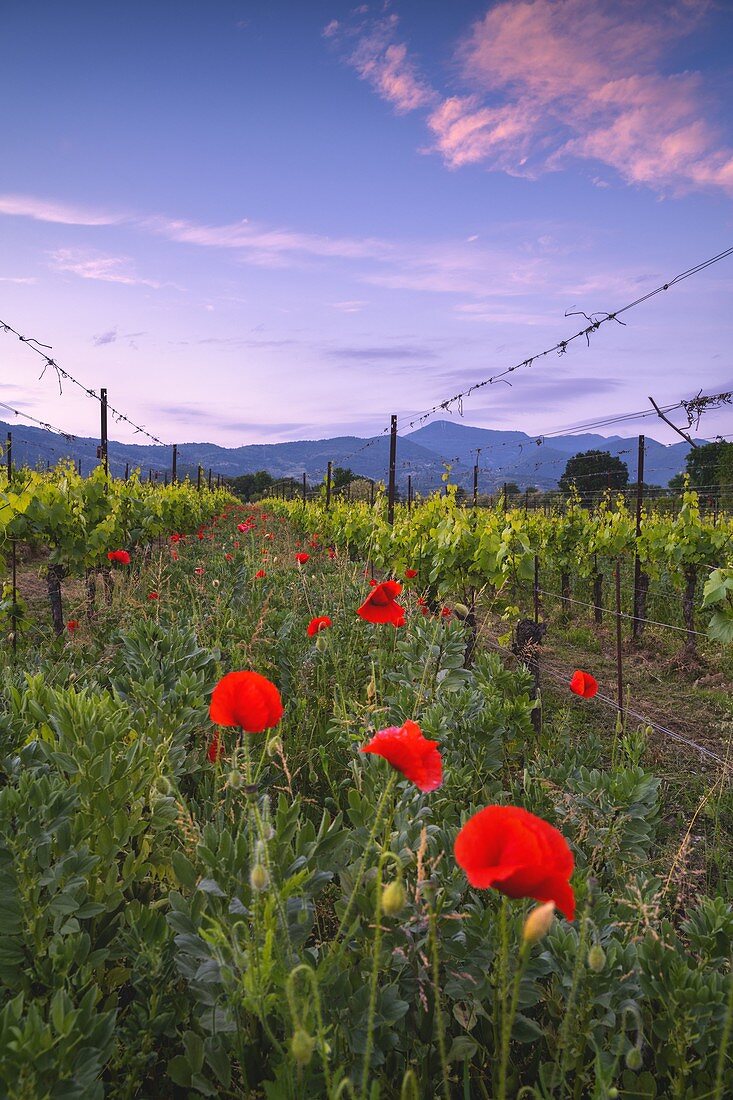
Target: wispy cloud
{"type": "Point", "coordinates": [372, 50]}
{"type": "Point", "coordinates": [349, 307]}
{"type": "Point", "coordinates": [548, 81]}
{"type": "Point", "coordinates": [21, 280]}
{"type": "Point", "coordinates": [49, 210]}
{"type": "Point", "coordinates": [106, 269]}
{"type": "Point", "coordinates": [395, 352]}
{"type": "Point", "coordinates": [103, 338]}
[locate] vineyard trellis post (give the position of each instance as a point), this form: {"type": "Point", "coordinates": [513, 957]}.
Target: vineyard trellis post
{"type": "Point", "coordinates": [392, 467]}
{"type": "Point", "coordinates": [9, 457]}
{"type": "Point", "coordinates": [536, 588]}
{"type": "Point", "coordinates": [619, 655]}
{"type": "Point", "coordinates": [305, 487]}
{"type": "Point", "coordinates": [174, 465]}
{"type": "Point", "coordinates": [328, 484]}
{"type": "Point", "coordinates": [475, 485]}
{"type": "Point", "coordinates": [409, 492]}
{"type": "Point", "coordinates": [103, 430]}
{"type": "Point", "coordinates": [638, 579]}
{"type": "Point", "coordinates": [209, 478]}
{"type": "Point", "coordinates": [503, 499]}
{"type": "Point", "coordinates": [199, 471]}
{"type": "Point", "coordinates": [371, 492]}
{"type": "Point", "coordinates": [127, 470]}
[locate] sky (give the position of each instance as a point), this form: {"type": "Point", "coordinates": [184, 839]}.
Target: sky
{"type": "Point", "coordinates": [265, 221]}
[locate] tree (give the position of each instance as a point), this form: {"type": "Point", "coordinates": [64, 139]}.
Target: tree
{"type": "Point", "coordinates": [677, 482]}
{"type": "Point", "coordinates": [341, 477]}
{"type": "Point", "coordinates": [707, 466]}
{"type": "Point", "coordinates": [248, 486]}
{"type": "Point", "coordinates": [592, 472]}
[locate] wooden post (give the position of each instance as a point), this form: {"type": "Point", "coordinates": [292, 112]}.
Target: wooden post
{"type": "Point", "coordinates": [619, 662]}
{"type": "Point", "coordinates": [536, 591]}
{"type": "Point", "coordinates": [174, 465]}
{"type": "Point", "coordinates": [9, 457]}
{"type": "Point", "coordinates": [78, 466]}
{"type": "Point", "coordinates": [209, 478]}
{"type": "Point", "coordinates": [371, 492]}
{"type": "Point", "coordinates": [328, 484]}
{"type": "Point", "coordinates": [305, 487]}
{"type": "Point", "coordinates": [392, 467]}
{"type": "Point", "coordinates": [199, 472]}
{"type": "Point", "coordinates": [636, 624]}
{"type": "Point", "coordinates": [165, 480]}
{"type": "Point", "coordinates": [475, 485]}
{"type": "Point", "coordinates": [127, 470]}
{"type": "Point", "coordinates": [409, 492]}
{"type": "Point", "coordinates": [504, 499]}
{"type": "Point", "coordinates": [103, 430]}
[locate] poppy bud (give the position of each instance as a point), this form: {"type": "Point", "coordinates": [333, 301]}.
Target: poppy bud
{"type": "Point", "coordinates": [461, 610]}
{"type": "Point", "coordinates": [235, 779]}
{"type": "Point", "coordinates": [393, 898]}
{"type": "Point", "coordinates": [596, 958]}
{"type": "Point", "coordinates": [163, 785]}
{"type": "Point", "coordinates": [321, 643]}
{"type": "Point", "coordinates": [612, 1093]}
{"type": "Point", "coordinates": [259, 879]}
{"type": "Point", "coordinates": [274, 746]}
{"type": "Point", "coordinates": [633, 1058]}
{"type": "Point", "coordinates": [538, 922]}
{"type": "Point", "coordinates": [301, 1046]}
{"type": "Point", "coordinates": [371, 691]}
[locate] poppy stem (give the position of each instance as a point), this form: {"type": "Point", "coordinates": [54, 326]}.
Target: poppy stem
{"type": "Point", "coordinates": [508, 1018]}
{"type": "Point", "coordinates": [439, 1021]}
{"type": "Point", "coordinates": [362, 866]}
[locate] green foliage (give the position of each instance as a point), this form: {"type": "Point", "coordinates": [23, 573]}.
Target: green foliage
{"type": "Point", "coordinates": [591, 472]}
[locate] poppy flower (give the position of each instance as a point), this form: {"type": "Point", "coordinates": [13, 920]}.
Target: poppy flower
{"type": "Point", "coordinates": [302, 558]}
{"type": "Point", "coordinates": [229, 557]}
{"type": "Point", "coordinates": [174, 555]}
{"type": "Point", "coordinates": [215, 750]}
{"type": "Point", "coordinates": [260, 574]}
{"type": "Point", "coordinates": [518, 854]}
{"type": "Point", "coordinates": [410, 573]}
{"type": "Point", "coordinates": [322, 623]}
{"type": "Point", "coordinates": [582, 683]}
{"type": "Point", "coordinates": [199, 571]}
{"type": "Point", "coordinates": [120, 556]}
{"type": "Point", "coordinates": [446, 612]}
{"type": "Point", "coordinates": [380, 606]}
{"type": "Point", "coordinates": [242, 527]}
{"type": "Point", "coordinates": [248, 700]}
{"type": "Point", "coordinates": [72, 625]}
{"type": "Point", "coordinates": [406, 749]}
{"type": "Point", "coordinates": [175, 538]}
{"type": "Point", "coordinates": [153, 596]}
{"type": "Point", "coordinates": [331, 553]}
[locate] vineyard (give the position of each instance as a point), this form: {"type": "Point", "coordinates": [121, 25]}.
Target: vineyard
{"type": "Point", "coordinates": [296, 802]}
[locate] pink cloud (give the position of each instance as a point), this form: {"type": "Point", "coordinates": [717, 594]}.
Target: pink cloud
{"type": "Point", "coordinates": [382, 61]}
{"type": "Point", "coordinates": [106, 269]}
{"type": "Point", "coordinates": [580, 78]}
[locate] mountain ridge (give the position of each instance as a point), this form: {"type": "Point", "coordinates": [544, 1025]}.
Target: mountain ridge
{"type": "Point", "coordinates": [422, 454]}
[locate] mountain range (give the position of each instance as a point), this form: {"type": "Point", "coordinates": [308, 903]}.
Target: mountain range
{"type": "Point", "coordinates": [502, 456]}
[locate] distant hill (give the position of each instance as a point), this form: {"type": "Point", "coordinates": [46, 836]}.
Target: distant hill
{"type": "Point", "coordinates": [504, 455]}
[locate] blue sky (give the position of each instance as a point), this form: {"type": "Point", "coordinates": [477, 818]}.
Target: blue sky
{"type": "Point", "coordinates": [265, 221]}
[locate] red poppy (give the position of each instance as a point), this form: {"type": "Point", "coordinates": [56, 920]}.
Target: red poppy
{"type": "Point", "coordinates": [229, 557]}
{"type": "Point", "coordinates": [518, 854]}
{"type": "Point", "coordinates": [248, 700]}
{"type": "Point", "coordinates": [215, 750]}
{"type": "Point", "coordinates": [410, 573]}
{"type": "Point", "coordinates": [72, 625]}
{"type": "Point", "coordinates": [331, 552]}
{"type": "Point", "coordinates": [446, 612]}
{"type": "Point", "coordinates": [321, 623]}
{"type": "Point", "coordinates": [380, 606]}
{"type": "Point", "coordinates": [302, 558]}
{"type": "Point", "coordinates": [199, 571]}
{"type": "Point", "coordinates": [174, 555]}
{"type": "Point", "coordinates": [260, 574]}
{"type": "Point", "coordinates": [409, 752]}
{"type": "Point", "coordinates": [120, 556]}
{"type": "Point", "coordinates": [153, 596]}
{"type": "Point", "coordinates": [243, 527]}
{"type": "Point", "coordinates": [269, 536]}
{"type": "Point", "coordinates": [235, 545]}
{"type": "Point", "coordinates": [582, 683]}
{"type": "Point", "coordinates": [175, 538]}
